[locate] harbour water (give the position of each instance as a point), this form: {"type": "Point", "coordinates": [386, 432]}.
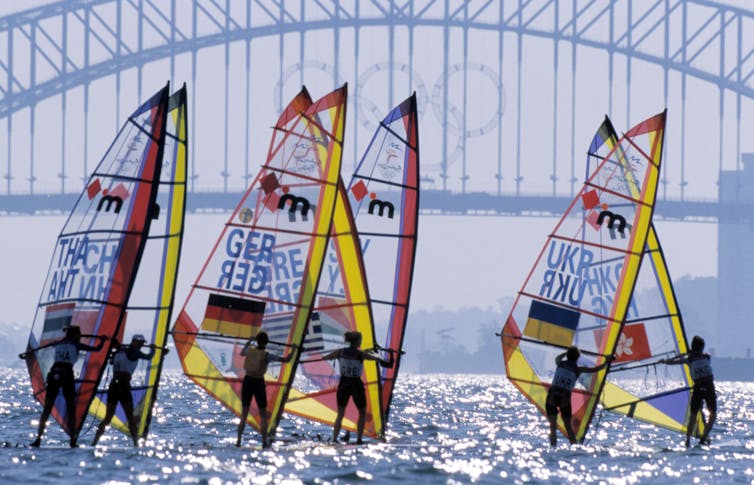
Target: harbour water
{"type": "Point", "coordinates": [443, 429]}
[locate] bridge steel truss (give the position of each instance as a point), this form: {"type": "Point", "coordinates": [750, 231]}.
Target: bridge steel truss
{"type": "Point", "coordinates": [50, 50]}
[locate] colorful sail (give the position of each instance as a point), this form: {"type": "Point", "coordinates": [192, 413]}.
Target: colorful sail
{"type": "Point", "coordinates": [580, 288]}
{"type": "Point", "coordinates": [264, 269]}
{"type": "Point", "coordinates": [151, 302]}
{"type": "Point", "coordinates": [97, 256]}
{"type": "Point", "coordinates": [383, 194]}
{"type": "Point", "coordinates": [653, 329]}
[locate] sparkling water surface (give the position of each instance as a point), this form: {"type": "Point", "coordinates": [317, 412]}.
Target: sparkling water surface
{"type": "Point", "coordinates": [443, 429]}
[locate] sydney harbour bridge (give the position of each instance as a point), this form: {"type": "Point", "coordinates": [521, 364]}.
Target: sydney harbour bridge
{"type": "Point", "coordinates": [510, 94]}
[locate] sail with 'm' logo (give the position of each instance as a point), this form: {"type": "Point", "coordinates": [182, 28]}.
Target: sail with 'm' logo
{"type": "Point", "coordinates": [97, 257]}
{"type": "Point", "coordinates": [579, 290]}
{"type": "Point", "coordinates": [262, 273]}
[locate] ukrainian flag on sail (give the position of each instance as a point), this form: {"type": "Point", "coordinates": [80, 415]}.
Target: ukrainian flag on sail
{"type": "Point", "coordinates": [231, 316]}
{"type": "Point", "coordinates": [552, 324]}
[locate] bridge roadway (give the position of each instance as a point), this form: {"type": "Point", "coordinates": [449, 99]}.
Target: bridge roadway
{"type": "Point", "coordinates": [432, 202]}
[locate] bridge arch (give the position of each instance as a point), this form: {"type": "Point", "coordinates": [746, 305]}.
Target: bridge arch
{"type": "Point", "coordinates": [64, 50]}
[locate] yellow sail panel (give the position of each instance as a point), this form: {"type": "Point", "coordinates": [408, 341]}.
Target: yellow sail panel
{"type": "Point", "coordinates": [653, 330]}
{"type": "Point", "coordinates": [580, 285]}
{"type": "Point", "coordinates": [342, 305]}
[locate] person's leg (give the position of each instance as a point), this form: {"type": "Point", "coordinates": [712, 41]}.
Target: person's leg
{"type": "Point", "coordinates": [245, 403]}
{"type": "Point", "coordinates": [127, 402]}
{"type": "Point", "coordinates": [109, 413]}
{"type": "Point", "coordinates": [338, 422]}
{"type": "Point", "coordinates": [711, 400]}
{"type": "Point", "coordinates": [565, 412]}
{"type": "Point", "coordinates": [69, 394]}
{"type": "Point", "coordinates": [260, 396]}
{"type": "Point", "coordinates": [242, 423]}
{"type": "Point", "coordinates": [552, 417]}
{"type": "Point", "coordinates": [51, 393]}
{"type": "Point", "coordinates": [342, 400]}
{"type": "Point", "coordinates": [694, 408]}
{"type": "Point", "coordinates": [360, 400]}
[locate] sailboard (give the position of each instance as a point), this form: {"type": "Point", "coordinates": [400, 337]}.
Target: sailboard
{"type": "Point", "coordinates": [97, 256]}
{"type": "Point", "coordinates": [653, 329]}
{"type": "Point", "coordinates": [151, 302]}
{"type": "Point", "coordinates": [376, 245]}
{"type": "Point", "coordinates": [580, 288]}
{"type": "Point", "coordinates": [262, 273]}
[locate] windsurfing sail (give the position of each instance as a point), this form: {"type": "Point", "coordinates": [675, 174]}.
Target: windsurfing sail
{"type": "Point", "coordinates": [383, 195]}
{"type": "Point", "coordinates": [263, 272]}
{"type": "Point", "coordinates": [579, 290]}
{"type": "Point", "coordinates": [97, 256]}
{"type": "Point", "coordinates": [151, 302]}
{"type": "Point", "coordinates": [653, 329]}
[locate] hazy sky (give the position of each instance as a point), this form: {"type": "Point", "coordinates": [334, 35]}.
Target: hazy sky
{"type": "Point", "coordinates": [461, 260]}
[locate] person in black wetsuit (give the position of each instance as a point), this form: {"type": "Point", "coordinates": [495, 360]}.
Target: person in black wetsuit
{"type": "Point", "coordinates": [704, 387]}
{"type": "Point", "coordinates": [559, 394]}
{"type": "Point", "coordinates": [60, 377]}
{"type": "Point", "coordinates": [351, 363]}
{"type": "Point", "coordinates": [255, 364]}
{"type": "Point", "coordinates": [124, 359]}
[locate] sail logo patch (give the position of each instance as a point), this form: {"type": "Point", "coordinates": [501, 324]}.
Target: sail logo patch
{"type": "Point", "coordinates": [110, 199]}
{"type": "Point", "coordinates": [360, 191]}
{"type": "Point", "coordinates": [274, 201]}
{"type": "Point", "coordinates": [595, 218]}
{"type": "Point", "coordinates": [392, 165]}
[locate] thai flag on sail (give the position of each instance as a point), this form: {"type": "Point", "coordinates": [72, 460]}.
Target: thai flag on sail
{"type": "Point", "coordinates": [57, 319]}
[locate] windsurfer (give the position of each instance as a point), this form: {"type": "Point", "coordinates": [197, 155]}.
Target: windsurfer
{"type": "Point", "coordinates": [559, 394]}
{"type": "Point", "coordinates": [704, 387]}
{"type": "Point", "coordinates": [61, 377]}
{"type": "Point", "coordinates": [351, 362]}
{"type": "Point", "coordinates": [255, 364]}
{"type": "Point", "coordinates": [124, 359]}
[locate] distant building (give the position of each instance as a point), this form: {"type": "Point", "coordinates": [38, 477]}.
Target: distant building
{"type": "Point", "coordinates": [735, 263]}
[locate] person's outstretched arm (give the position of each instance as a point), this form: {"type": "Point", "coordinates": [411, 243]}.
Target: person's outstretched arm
{"type": "Point", "coordinates": [607, 360]}
{"type": "Point", "coordinates": [383, 362]}
{"type": "Point", "coordinates": [678, 359]}
{"type": "Point", "coordinates": [25, 355]}
{"type": "Point", "coordinates": [288, 357]}
{"type": "Point", "coordinates": [96, 348]}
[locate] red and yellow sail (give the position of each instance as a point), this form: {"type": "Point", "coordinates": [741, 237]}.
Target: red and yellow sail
{"type": "Point", "coordinates": [98, 254]}
{"type": "Point", "coordinates": [580, 288]}
{"type": "Point", "coordinates": [270, 253]}
{"type": "Point", "coordinates": [375, 246]}
{"type": "Point", "coordinates": [151, 303]}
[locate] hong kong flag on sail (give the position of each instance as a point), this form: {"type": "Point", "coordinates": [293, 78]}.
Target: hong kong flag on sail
{"type": "Point", "coordinates": [633, 343]}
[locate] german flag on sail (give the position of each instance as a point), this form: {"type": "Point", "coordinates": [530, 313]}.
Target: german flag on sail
{"type": "Point", "coordinates": [551, 323]}
{"type": "Point", "coordinates": [231, 316]}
